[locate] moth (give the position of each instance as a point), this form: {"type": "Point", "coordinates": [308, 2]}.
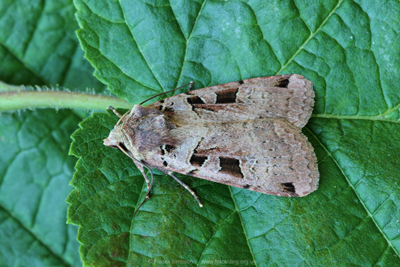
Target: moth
{"type": "Point", "coordinates": [245, 134]}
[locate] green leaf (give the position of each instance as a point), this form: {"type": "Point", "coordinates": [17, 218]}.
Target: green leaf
{"type": "Point", "coordinates": [349, 49]}
{"type": "Point", "coordinates": [38, 46]}
{"type": "Point", "coordinates": [34, 174]}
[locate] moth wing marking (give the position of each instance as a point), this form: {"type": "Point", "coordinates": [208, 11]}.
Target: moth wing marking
{"type": "Point", "coordinates": [286, 96]}
{"type": "Point", "coordinates": [264, 155]}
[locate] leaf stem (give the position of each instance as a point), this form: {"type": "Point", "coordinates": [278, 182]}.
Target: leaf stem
{"type": "Point", "coordinates": [9, 88]}
{"type": "Point", "coordinates": [19, 99]}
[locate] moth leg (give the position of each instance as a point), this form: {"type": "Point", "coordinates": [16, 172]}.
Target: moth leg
{"type": "Point", "coordinates": [149, 186]}
{"type": "Point", "coordinates": [186, 187]}
{"type": "Point", "coordinates": [190, 86]}
{"type": "Point", "coordinates": [141, 169]}
{"type": "Point", "coordinates": [116, 112]}
{"type": "Point", "coordinates": [119, 115]}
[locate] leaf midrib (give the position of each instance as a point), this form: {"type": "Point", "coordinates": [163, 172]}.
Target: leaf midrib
{"type": "Point", "coordinates": [311, 36]}
{"type": "Point", "coordinates": [188, 40]}
{"type": "Point", "coordinates": [355, 117]}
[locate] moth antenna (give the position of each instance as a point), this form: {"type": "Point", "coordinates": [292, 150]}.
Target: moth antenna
{"type": "Point", "coordinates": [191, 85]}
{"type": "Point", "coordinates": [187, 188]}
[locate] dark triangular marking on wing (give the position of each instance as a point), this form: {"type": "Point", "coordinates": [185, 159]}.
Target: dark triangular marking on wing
{"type": "Point", "coordinates": [282, 83]}
{"type": "Point", "coordinates": [230, 166]}
{"type": "Point", "coordinates": [289, 187]}
{"type": "Point", "coordinates": [169, 148]}
{"type": "Point", "coordinates": [195, 100]}
{"type": "Point", "coordinates": [227, 96]}
{"type": "Point", "coordinates": [197, 161]}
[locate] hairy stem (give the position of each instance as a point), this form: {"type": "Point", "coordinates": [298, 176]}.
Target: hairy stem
{"type": "Point", "coordinates": [18, 99]}
{"type": "Point", "coordinates": [9, 88]}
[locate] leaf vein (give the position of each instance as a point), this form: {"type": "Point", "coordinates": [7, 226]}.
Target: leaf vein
{"type": "Point", "coordinates": [311, 36]}
{"type": "Point", "coordinates": [244, 228]}
{"type": "Point", "coordinates": [140, 50]}
{"type": "Point", "coordinates": [355, 192]}
{"type": "Point", "coordinates": [187, 43]}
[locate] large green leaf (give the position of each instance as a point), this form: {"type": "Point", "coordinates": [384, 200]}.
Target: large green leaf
{"type": "Point", "coordinates": [38, 46]}
{"type": "Point", "coordinates": [34, 174]}
{"type": "Point", "coordinates": [349, 49]}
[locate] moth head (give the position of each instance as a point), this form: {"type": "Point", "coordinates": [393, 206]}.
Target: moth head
{"type": "Point", "coordinates": [140, 132]}
{"type": "Point", "coordinates": [117, 139]}
{"type": "Point", "coordinates": [121, 137]}
{"type": "Point", "coordinates": [113, 138]}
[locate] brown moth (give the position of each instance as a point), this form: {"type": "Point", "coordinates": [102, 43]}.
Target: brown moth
{"type": "Point", "coordinates": [245, 134]}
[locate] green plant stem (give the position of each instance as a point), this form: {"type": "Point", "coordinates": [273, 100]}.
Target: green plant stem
{"type": "Point", "coordinates": [9, 88]}
{"type": "Point", "coordinates": [58, 99]}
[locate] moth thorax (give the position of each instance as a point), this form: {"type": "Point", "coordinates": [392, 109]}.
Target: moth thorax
{"type": "Point", "coordinates": [153, 131]}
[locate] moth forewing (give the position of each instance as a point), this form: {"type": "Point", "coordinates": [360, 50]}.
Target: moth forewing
{"type": "Point", "coordinates": [245, 134]}
{"type": "Point", "coordinates": [264, 155]}
{"type": "Point", "coordinates": [287, 96]}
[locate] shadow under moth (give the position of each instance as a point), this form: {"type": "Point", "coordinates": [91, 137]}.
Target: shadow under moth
{"type": "Point", "coordinates": [245, 134]}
